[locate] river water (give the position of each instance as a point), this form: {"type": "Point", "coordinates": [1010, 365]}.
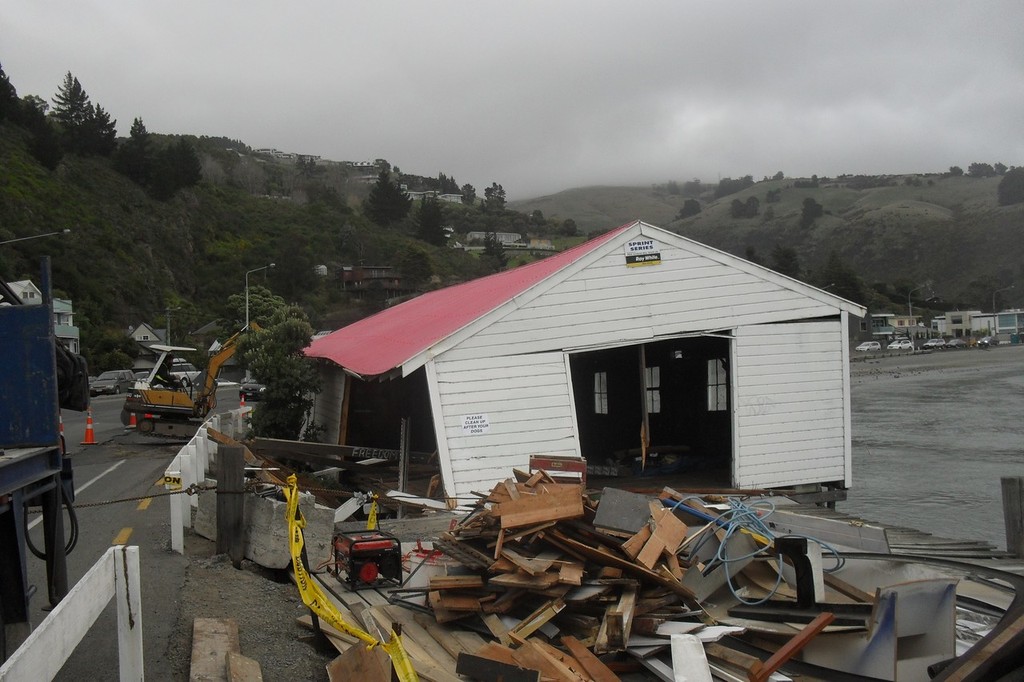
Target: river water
{"type": "Point", "coordinates": [932, 436]}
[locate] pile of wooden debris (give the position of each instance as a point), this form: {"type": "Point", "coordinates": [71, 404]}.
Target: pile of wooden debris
{"type": "Point", "coordinates": [545, 580]}
{"type": "Point", "coordinates": [573, 586]}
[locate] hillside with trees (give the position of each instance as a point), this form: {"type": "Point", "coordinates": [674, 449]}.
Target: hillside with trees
{"type": "Point", "coordinates": [164, 228]}
{"type": "Point", "coordinates": [952, 238]}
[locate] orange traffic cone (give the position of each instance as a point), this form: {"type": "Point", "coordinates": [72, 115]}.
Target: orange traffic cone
{"type": "Point", "coordinates": [90, 437]}
{"type": "Point", "coordinates": [132, 422]}
{"type": "Point", "coordinates": [241, 397]}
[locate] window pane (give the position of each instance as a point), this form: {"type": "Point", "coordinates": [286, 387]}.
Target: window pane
{"type": "Point", "coordinates": [718, 394]}
{"type": "Point", "coordinates": [600, 393]}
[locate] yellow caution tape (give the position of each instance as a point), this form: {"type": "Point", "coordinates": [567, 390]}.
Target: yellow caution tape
{"type": "Point", "coordinates": [371, 519]}
{"type": "Point", "coordinates": [314, 598]}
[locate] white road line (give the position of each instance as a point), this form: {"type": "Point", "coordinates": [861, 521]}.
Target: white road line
{"type": "Point", "coordinates": [79, 489]}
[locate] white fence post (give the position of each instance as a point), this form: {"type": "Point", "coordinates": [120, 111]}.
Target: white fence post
{"type": "Point", "coordinates": [44, 652]}
{"type": "Point", "coordinates": [177, 506]}
{"type": "Point", "coordinates": [129, 613]}
{"type": "Point", "coordinates": [202, 450]}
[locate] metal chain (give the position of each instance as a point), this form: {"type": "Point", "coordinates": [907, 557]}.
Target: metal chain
{"type": "Point", "coordinates": [195, 489]}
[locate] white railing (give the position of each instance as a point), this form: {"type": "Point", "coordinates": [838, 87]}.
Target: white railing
{"type": "Point", "coordinates": [44, 652]}
{"type": "Point", "coordinates": [190, 466]}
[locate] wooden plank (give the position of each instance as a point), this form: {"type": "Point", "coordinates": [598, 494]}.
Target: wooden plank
{"type": "Point", "coordinates": [532, 566]}
{"type": "Point", "coordinates": [619, 620]}
{"type": "Point", "coordinates": [571, 574]}
{"type": "Point", "coordinates": [510, 488]}
{"type": "Point", "coordinates": [453, 602]}
{"type": "Point", "coordinates": [533, 509]}
{"type": "Point", "coordinates": [561, 657]}
{"type": "Point", "coordinates": [230, 501]}
{"type": "Point", "coordinates": [426, 665]}
{"type": "Point", "coordinates": [467, 640]}
{"type": "Point", "coordinates": [341, 640]}
{"type": "Point", "coordinates": [760, 672]}
{"type": "Point", "coordinates": [489, 670]}
{"type": "Point", "coordinates": [725, 654]}
{"type": "Point", "coordinates": [623, 565]}
{"type": "Point", "coordinates": [522, 580]}
{"type": "Point", "coordinates": [669, 532]}
{"type": "Point", "coordinates": [505, 602]}
{"type": "Point", "coordinates": [530, 655]}
{"type": "Point", "coordinates": [537, 619]}
{"type": "Point", "coordinates": [499, 544]}
{"type": "Point", "coordinates": [243, 669]}
{"type": "Point", "coordinates": [361, 663]}
{"type": "Point", "coordinates": [634, 544]}
{"type": "Point", "coordinates": [529, 530]}
{"type": "Point", "coordinates": [441, 635]}
{"type": "Point", "coordinates": [497, 628]}
{"type": "Point", "coordinates": [497, 652]}
{"type": "Point", "coordinates": [212, 640]}
{"type": "Point", "coordinates": [414, 628]}
{"type": "Point", "coordinates": [455, 582]}
{"type": "Point", "coordinates": [590, 663]}
{"type": "Point", "coordinates": [1012, 488]}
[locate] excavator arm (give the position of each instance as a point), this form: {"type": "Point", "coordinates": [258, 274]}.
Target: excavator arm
{"type": "Point", "coordinates": [206, 398]}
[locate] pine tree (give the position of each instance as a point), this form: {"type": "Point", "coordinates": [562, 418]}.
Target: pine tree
{"type": "Point", "coordinates": [387, 202]}
{"type": "Point", "coordinates": [71, 104]}
{"type": "Point", "coordinates": [9, 103]}
{"type": "Point", "coordinates": [99, 133]}
{"type": "Point", "coordinates": [134, 158]}
{"type": "Point", "coordinates": [494, 253]}
{"type": "Point", "coordinates": [87, 129]}
{"type": "Point", "coordinates": [430, 218]}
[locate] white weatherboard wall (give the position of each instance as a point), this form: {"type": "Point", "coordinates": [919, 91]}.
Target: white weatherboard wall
{"type": "Point", "coordinates": [511, 366]}
{"type": "Point", "coordinates": [789, 407]}
{"type": "Point", "coordinates": [495, 431]}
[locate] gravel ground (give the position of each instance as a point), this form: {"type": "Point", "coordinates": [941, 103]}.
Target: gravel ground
{"type": "Point", "coordinates": [264, 603]}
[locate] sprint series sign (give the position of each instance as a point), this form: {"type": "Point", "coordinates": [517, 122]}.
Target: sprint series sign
{"type": "Point", "coordinates": [642, 252]}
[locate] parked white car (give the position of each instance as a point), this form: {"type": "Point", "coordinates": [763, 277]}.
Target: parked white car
{"type": "Point", "coordinates": [868, 346]}
{"type": "Point", "coordinates": [934, 343]}
{"type": "Point", "coordinates": [901, 344]}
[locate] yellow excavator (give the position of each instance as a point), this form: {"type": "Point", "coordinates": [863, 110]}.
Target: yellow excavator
{"type": "Point", "coordinates": [174, 404]}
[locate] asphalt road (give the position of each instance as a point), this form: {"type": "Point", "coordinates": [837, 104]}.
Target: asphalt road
{"type": "Point", "coordinates": [119, 499]}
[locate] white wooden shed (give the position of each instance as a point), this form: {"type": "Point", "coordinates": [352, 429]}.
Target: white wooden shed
{"type": "Point", "coordinates": [638, 344]}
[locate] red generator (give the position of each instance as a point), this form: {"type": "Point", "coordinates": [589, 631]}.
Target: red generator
{"type": "Point", "coordinates": [369, 558]}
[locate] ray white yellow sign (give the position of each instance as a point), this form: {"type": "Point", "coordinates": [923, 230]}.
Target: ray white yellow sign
{"type": "Point", "coordinates": [642, 251]}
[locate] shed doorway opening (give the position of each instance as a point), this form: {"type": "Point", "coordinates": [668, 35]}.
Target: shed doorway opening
{"type": "Point", "coordinates": [657, 409]}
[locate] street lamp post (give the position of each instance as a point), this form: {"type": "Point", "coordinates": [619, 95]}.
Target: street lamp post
{"type": "Point", "coordinates": [995, 324]}
{"type": "Point", "coordinates": [35, 236]}
{"type": "Point", "coordinates": [269, 265]}
{"type": "Point", "coordinates": [910, 305]}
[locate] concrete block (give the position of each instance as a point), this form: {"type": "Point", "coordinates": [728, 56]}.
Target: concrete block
{"type": "Point", "coordinates": [266, 529]}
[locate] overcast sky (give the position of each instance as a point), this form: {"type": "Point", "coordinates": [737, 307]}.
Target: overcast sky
{"type": "Point", "coordinates": [542, 96]}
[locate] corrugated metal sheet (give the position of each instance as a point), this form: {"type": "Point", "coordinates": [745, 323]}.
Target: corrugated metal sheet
{"type": "Point", "coordinates": [380, 343]}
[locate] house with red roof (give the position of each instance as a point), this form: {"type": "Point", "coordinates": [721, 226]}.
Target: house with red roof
{"type": "Point", "coordinates": [640, 350]}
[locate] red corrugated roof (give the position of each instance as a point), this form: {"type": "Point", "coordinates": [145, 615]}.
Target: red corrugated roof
{"type": "Point", "coordinates": [380, 343]}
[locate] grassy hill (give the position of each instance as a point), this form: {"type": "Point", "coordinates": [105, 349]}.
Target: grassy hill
{"type": "Point", "coordinates": [130, 259]}
{"type": "Point", "coordinates": [946, 230]}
